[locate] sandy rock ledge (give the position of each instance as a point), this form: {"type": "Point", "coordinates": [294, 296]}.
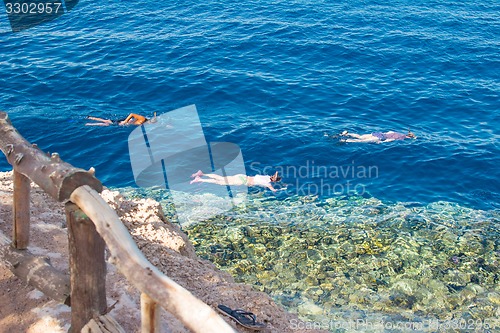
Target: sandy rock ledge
{"type": "Point", "coordinates": [24, 309]}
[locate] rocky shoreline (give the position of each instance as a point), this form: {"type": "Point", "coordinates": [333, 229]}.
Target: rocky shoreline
{"type": "Point", "coordinates": [24, 309]}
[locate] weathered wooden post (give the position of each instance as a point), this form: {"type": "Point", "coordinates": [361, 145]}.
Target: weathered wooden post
{"type": "Point", "coordinates": [21, 211]}
{"type": "Point", "coordinates": [87, 269]}
{"type": "Point", "coordinates": [131, 262]}
{"type": "Point", "coordinates": [64, 182]}
{"type": "Point", "coordinates": [150, 315]}
{"type": "Point", "coordinates": [59, 180]}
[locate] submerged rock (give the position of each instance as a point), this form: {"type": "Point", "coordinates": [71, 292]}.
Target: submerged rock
{"type": "Point", "coordinates": [402, 259]}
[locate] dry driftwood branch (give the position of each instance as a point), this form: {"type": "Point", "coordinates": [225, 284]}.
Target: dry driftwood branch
{"type": "Point", "coordinates": [35, 271]}
{"type": "Point", "coordinates": [192, 312]}
{"type": "Point", "coordinates": [54, 176]}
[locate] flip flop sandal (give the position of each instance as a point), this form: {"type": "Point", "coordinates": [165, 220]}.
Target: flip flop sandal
{"type": "Point", "coordinates": [242, 317]}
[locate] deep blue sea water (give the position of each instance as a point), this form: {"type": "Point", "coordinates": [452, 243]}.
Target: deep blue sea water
{"type": "Point", "coordinates": [273, 77]}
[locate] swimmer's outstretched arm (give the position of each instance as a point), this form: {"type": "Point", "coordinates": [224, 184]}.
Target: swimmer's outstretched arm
{"type": "Point", "coordinates": [271, 188]}
{"type": "Point", "coordinates": [279, 189]}
{"type": "Point", "coordinates": [130, 116]}
{"type": "Point", "coordinates": [125, 121]}
{"type": "Point", "coordinates": [137, 117]}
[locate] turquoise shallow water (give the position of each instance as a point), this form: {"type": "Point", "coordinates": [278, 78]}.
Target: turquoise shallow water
{"type": "Point", "coordinates": [361, 256]}
{"type": "Point", "coordinates": [407, 230]}
{"type": "Point", "coordinates": [350, 264]}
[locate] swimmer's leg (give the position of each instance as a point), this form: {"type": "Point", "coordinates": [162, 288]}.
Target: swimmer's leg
{"type": "Point", "coordinates": [99, 119]}
{"type": "Point", "coordinates": [97, 124]}
{"type": "Point", "coordinates": [209, 180]}
{"type": "Point", "coordinates": [356, 136]}
{"type": "Point", "coordinates": [197, 180]}
{"type": "Point", "coordinates": [215, 177]}
{"type": "Point", "coordinates": [198, 173]}
{"type": "Point", "coordinates": [239, 179]}
{"type": "Point", "coordinates": [367, 138]}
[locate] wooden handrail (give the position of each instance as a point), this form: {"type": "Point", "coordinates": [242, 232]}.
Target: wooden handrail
{"type": "Point", "coordinates": [131, 262]}
{"type": "Point", "coordinates": [54, 176]}
{"type": "Point", "coordinates": [64, 182]}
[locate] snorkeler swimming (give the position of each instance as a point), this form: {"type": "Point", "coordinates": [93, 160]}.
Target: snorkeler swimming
{"type": "Point", "coordinates": [132, 119]}
{"type": "Point", "coordinates": [239, 179]}
{"type": "Point", "coordinates": [375, 137]}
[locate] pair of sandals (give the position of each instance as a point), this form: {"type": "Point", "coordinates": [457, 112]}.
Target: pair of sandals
{"type": "Point", "coordinates": [242, 317]}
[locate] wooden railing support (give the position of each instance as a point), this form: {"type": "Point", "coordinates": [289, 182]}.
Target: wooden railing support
{"type": "Point", "coordinates": [87, 269]}
{"type": "Point", "coordinates": [21, 211]}
{"type": "Point", "coordinates": [131, 262]}
{"type": "Point", "coordinates": [88, 218]}
{"type": "Point", "coordinates": [150, 315]}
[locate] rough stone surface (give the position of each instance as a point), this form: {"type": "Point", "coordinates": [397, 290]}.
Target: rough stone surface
{"type": "Point", "coordinates": [24, 309]}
